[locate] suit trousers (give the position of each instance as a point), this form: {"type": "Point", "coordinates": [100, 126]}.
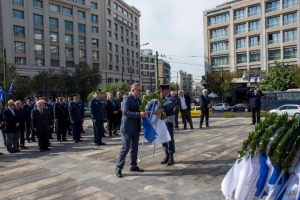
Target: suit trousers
{"type": "Point", "coordinates": [176, 118]}
{"type": "Point", "coordinates": [204, 113]}
{"type": "Point", "coordinates": [186, 116]}
{"type": "Point", "coordinates": [60, 129]}
{"type": "Point", "coordinates": [112, 124]}
{"type": "Point", "coordinates": [4, 137]}
{"type": "Point", "coordinates": [28, 129]}
{"type": "Point", "coordinates": [12, 140]}
{"type": "Point", "coordinates": [255, 114]}
{"type": "Point", "coordinates": [22, 134]}
{"type": "Point", "coordinates": [43, 140]}
{"type": "Point", "coordinates": [169, 147]}
{"type": "Point", "coordinates": [129, 141]}
{"type": "Point", "coordinates": [76, 130]}
{"type": "Point", "coordinates": [98, 131]}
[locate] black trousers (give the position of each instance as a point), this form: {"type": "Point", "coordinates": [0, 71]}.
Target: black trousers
{"type": "Point", "coordinates": [28, 129]}
{"type": "Point", "coordinates": [186, 116]}
{"type": "Point", "coordinates": [61, 130]}
{"type": "Point", "coordinates": [112, 124]}
{"type": "Point", "coordinates": [43, 140]}
{"type": "Point", "coordinates": [204, 113]}
{"type": "Point", "coordinates": [255, 114]}
{"type": "Point", "coordinates": [176, 118]}
{"type": "Point", "coordinates": [22, 134]}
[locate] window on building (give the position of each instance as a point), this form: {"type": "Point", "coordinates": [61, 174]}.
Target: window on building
{"type": "Point", "coordinates": [38, 49]}
{"type": "Point", "coordinates": [116, 36]}
{"type": "Point", "coordinates": [254, 41]}
{"type": "Point", "coordinates": [54, 63]}
{"type": "Point", "coordinates": [81, 40]}
{"type": "Point", "coordinates": [80, 2]}
{"type": "Point", "coordinates": [218, 19]}
{"type": "Point", "coordinates": [290, 52]}
{"type": "Point", "coordinates": [81, 14]}
{"type": "Point", "coordinates": [67, 11]}
{"type": "Point", "coordinates": [290, 35]}
{"type": "Point", "coordinates": [18, 14]}
{"type": "Point", "coordinates": [115, 5]}
{"type": "Point", "coordinates": [69, 52]}
{"type": "Point", "coordinates": [122, 50]}
{"type": "Point", "coordinates": [127, 52]}
{"type": "Point", "coordinates": [272, 6]}
{"type": "Point", "coordinates": [19, 31]}
{"type": "Point", "coordinates": [116, 48]}
{"type": "Point", "coordinates": [274, 54]}
{"type": "Point", "coordinates": [290, 19]}
{"type": "Point", "coordinates": [127, 41]}
{"type": "Point", "coordinates": [108, 2]}
{"type": "Point", "coordinates": [273, 22]}
{"type": "Point", "coordinates": [95, 42]}
{"type": "Point", "coordinates": [109, 57]}
{"type": "Point", "coordinates": [38, 34]}
{"type": "Point", "coordinates": [219, 33]}
{"type": "Point", "coordinates": [108, 11]}
{"type": "Point", "coordinates": [121, 29]}
{"type": "Point", "coordinates": [69, 39]}
{"type": "Point", "coordinates": [289, 3]}
{"type": "Point", "coordinates": [54, 50]}
{"type": "Point", "coordinates": [219, 61]}
{"type": "Point", "coordinates": [241, 58]}
{"type": "Point", "coordinates": [70, 64]}
{"type": "Point", "coordinates": [54, 8]}
{"type": "Point", "coordinates": [39, 62]}
{"type": "Point", "coordinates": [19, 46]}
{"type": "Point", "coordinates": [136, 37]}
{"type": "Point", "coordinates": [68, 25]}
{"type": "Point", "coordinates": [116, 59]}
{"type": "Point", "coordinates": [255, 10]}
{"type": "Point", "coordinates": [241, 43]}
{"type": "Point", "coordinates": [254, 26]}
{"type": "Point", "coordinates": [240, 28]}
{"type": "Point", "coordinates": [116, 27]}
{"type": "Point", "coordinates": [81, 28]}
{"type": "Point", "coordinates": [219, 46]}
{"type": "Point", "coordinates": [95, 55]}
{"type": "Point", "coordinates": [37, 19]}
{"type": "Point", "coordinates": [94, 29]}
{"type": "Point", "coordinates": [109, 33]}
{"type": "Point", "coordinates": [122, 39]}
{"type": "Point", "coordinates": [94, 18]}
{"type": "Point", "coordinates": [20, 61]}
{"type": "Point", "coordinates": [274, 38]}
{"type": "Point", "coordinates": [18, 2]}
{"type": "Point", "coordinates": [94, 5]}
{"type": "Point", "coordinates": [109, 46]}
{"type": "Point", "coordinates": [127, 61]}
{"type": "Point", "coordinates": [127, 33]}
{"type": "Point", "coordinates": [240, 14]}
{"type": "Point", "coordinates": [130, 15]}
{"type": "Point", "coordinates": [82, 53]}
{"type": "Point", "coordinates": [122, 60]}
{"type": "Point", "coordinates": [38, 3]}
{"type": "Point", "coordinates": [53, 22]}
{"type": "Point", "coordinates": [96, 65]}
{"type": "Point", "coordinates": [53, 36]}
{"type": "Point", "coordinates": [108, 23]}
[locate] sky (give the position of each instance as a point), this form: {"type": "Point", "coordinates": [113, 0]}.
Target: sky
{"type": "Point", "coordinates": [174, 28]}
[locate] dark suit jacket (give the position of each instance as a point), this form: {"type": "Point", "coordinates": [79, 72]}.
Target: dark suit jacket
{"type": "Point", "coordinates": [131, 117]}
{"type": "Point", "coordinates": [188, 101]}
{"type": "Point", "coordinates": [204, 102]}
{"type": "Point", "coordinates": [41, 122]}
{"type": "Point", "coordinates": [1, 118]}
{"type": "Point", "coordinates": [10, 121]}
{"type": "Point", "coordinates": [110, 108]}
{"type": "Point", "coordinates": [255, 100]}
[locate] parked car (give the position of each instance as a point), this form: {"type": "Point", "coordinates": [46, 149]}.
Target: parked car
{"type": "Point", "coordinates": [196, 112]}
{"type": "Point", "coordinates": [221, 106]}
{"type": "Point", "coordinates": [290, 109]}
{"type": "Point", "coordinates": [240, 107]}
{"type": "Point", "coordinates": [86, 112]}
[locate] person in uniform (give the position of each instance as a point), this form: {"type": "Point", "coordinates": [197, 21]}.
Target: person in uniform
{"type": "Point", "coordinates": [19, 111]}
{"type": "Point", "coordinates": [76, 114]}
{"type": "Point", "coordinates": [119, 100]}
{"type": "Point", "coordinates": [68, 125]}
{"type": "Point", "coordinates": [49, 106]}
{"type": "Point", "coordinates": [98, 115]}
{"type": "Point", "coordinates": [27, 111]}
{"type": "Point", "coordinates": [60, 119]}
{"type": "Point", "coordinates": [176, 109]}
{"type": "Point", "coordinates": [168, 106]}
{"type": "Point", "coordinates": [112, 110]}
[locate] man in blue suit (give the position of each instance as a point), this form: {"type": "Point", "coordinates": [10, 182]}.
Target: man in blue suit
{"type": "Point", "coordinates": [98, 115]}
{"type": "Point", "coordinates": [76, 114]}
{"type": "Point", "coordinates": [130, 129]}
{"type": "Point", "coordinates": [204, 107]}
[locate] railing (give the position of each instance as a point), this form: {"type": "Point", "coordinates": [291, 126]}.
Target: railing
{"type": "Point", "coordinates": [256, 28]}
{"type": "Point", "coordinates": [38, 51]}
{"type": "Point", "coordinates": [274, 25]}
{"type": "Point", "coordinates": [218, 22]}
{"type": "Point", "coordinates": [240, 31]}
{"type": "Point", "coordinates": [272, 9]}
{"type": "Point", "coordinates": [241, 61]}
{"type": "Point", "coordinates": [250, 14]}
{"type": "Point", "coordinates": [291, 4]}
{"type": "Point", "coordinates": [254, 59]}
{"type": "Point", "coordinates": [219, 49]}
{"type": "Point", "coordinates": [274, 57]}
{"type": "Point", "coordinates": [288, 56]}
{"type": "Point", "coordinates": [219, 36]}
{"type": "Point", "coordinates": [240, 46]}
{"type": "Point", "coordinates": [220, 63]}
{"type": "Point", "coordinates": [273, 41]}
{"type": "Point", "coordinates": [254, 44]}
{"type": "Point", "coordinates": [239, 17]}
{"type": "Point", "coordinates": [292, 21]}
{"type": "Point", "coordinates": [289, 39]}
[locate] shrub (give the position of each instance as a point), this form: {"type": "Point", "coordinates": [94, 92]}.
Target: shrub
{"type": "Point", "coordinates": [228, 115]}
{"type": "Point", "coordinates": [249, 114]}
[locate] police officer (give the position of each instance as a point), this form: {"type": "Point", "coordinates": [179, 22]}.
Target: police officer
{"type": "Point", "coordinates": [60, 119]}
{"type": "Point", "coordinates": [98, 115]}
{"type": "Point", "coordinates": [32, 107]}
{"type": "Point", "coordinates": [27, 114]}
{"type": "Point", "coordinates": [49, 106]}
{"type": "Point", "coordinates": [68, 125]}
{"type": "Point", "coordinates": [169, 103]}
{"type": "Point", "coordinates": [76, 114]}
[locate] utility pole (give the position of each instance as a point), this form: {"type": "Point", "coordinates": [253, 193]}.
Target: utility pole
{"type": "Point", "coordinates": [5, 77]}
{"type": "Point", "coordinates": [130, 75]}
{"type": "Point", "coordinates": [156, 73]}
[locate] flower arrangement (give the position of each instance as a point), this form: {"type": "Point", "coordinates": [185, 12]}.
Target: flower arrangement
{"type": "Point", "coordinates": [150, 97]}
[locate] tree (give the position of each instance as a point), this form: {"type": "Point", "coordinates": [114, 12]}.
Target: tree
{"type": "Point", "coordinates": [280, 78]}
{"type": "Point", "coordinates": [22, 88]}
{"type": "Point", "coordinates": [173, 86]}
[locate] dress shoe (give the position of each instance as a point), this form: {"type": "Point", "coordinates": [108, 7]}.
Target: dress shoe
{"type": "Point", "coordinates": [192, 128]}
{"type": "Point", "coordinates": [97, 145]}
{"type": "Point", "coordinates": [82, 132]}
{"type": "Point", "coordinates": [184, 128]}
{"type": "Point", "coordinates": [116, 134]}
{"type": "Point", "coordinates": [252, 124]}
{"type": "Point", "coordinates": [200, 126]}
{"type": "Point", "coordinates": [41, 150]}
{"type": "Point", "coordinates": [102, 143]}
{"type": "Point", "coordinates": [17, 150]}
{"type": "Point", "coordinates": [23, 147]}
{"type": "Point", "coordinates": [12, 151]}
{"type": "Point", "coordinates": [136, 169]}
{"type": "Point", "coordinates": [76, 141]}
{"type": "Point", "coordinates": [80, 140]}
{"type": "Point", "coordinates": [69, 133]}
{"type": "Point", "coordinates": [64, 140]}
{"type": "Point", "coordinates": [33, 140]}
{"type": "Point", "coordinates": [28, 141]}
{"type": "Point", "coordinates": [59, 141]}
{"type": "Point", "coordinates": [119, 173]}
{"type": "Point", "coordinates": [110, 135]}
{"type": "Point", "coordinates": [47, 149]}
{"type": "Point", "coordinates": [207, 126]}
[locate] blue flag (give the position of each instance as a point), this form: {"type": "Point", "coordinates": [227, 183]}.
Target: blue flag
{"type": "Point", "coordinates": [255, 77]}
{"type": "Point", "coordinates": [249, 77]}
{"type": "Point", "coordinates": [10, 90]}
{"type": "Point", "coordinates": [149, 132]}
{"type": "Point", "coordinates": [1, 94]}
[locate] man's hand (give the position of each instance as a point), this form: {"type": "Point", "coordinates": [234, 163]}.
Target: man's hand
{"type": "Point", "coordinates": [143, 114]}
{"type": "Point", "coordinates": [17, 124]}
{"type": "Point", "coordinates": [94, 121]}
{"type": "Point", "coordinates": [35, 129]}
{"type": "Point", "coordinates": [115, 112]}
{"type": "Point", "coordinates": [208, 105]}
{"type": "Point", "coordinates": [55, 120]}
{"type": "Point", "coordinates": [82, 120]}
{"type": "Point", "coordinates": [72, 122]}
{"type": "Point", "coordinates": [51, 126]}
{"type": "Point", "coordinates": [158, 112]}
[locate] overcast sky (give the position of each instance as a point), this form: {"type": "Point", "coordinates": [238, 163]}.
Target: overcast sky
{"type": "Point", "coordinates": [175, 28]}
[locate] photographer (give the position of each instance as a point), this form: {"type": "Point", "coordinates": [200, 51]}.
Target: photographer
{"type": "Point", "coordinates": [255, 95]}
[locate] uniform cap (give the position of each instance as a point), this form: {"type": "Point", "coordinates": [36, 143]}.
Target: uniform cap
{"type": "Point", "coordinates": [97, 90]}
{"type": "Point", "coordinates": [29, 98]}
{"type": "Point", "coordinates": [75, 94]}
{"type": "Point", "coordinates": [60, 96]}
{"type": "Point", "coordinates": [164, 87]}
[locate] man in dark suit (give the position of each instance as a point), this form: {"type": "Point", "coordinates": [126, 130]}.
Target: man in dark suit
{"type": "Point", "coordinates": [185, 108]}
{"type": "Point", "coordinates": [112, 110]}
{"type": "Point", "coordinates": [27, 110]}
{"type": "Point", "coordinates": [41, 123]}
{"type": "Point", "coordinates": [49, 106]}
{"type": "Point", "coordinates": [204, 107]}
{"type": "Point", "coordinates": [130, 129]}
{"type": "Point", "coordinates": [11, 124]}
{"type": "Point", "coordinates": [255, 95]}
{"type": "Point", "coordinates": [2, 123]}
{"type": "Point", "coordinates": [119, 100]}
{"type": "Point", "coordinates": [60, 119]}
{"type": "Point", "coordinates": [21, 129]}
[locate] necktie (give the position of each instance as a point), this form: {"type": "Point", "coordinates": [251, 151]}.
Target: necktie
{"type": "Point", "coordinates": [41, 112]}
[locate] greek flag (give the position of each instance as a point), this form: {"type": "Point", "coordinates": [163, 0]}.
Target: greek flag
{"type": "Point", "coordinates": [10, 90]}
{"type": "Point", "coordinates": [150, 133]}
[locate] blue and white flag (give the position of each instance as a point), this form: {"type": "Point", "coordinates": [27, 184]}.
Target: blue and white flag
{"type": "Point", "coordinates": [150, 133]}
{"type": "Point", "coordinates": [1, 94]}
{"type": "Point", "coordinates": [10, 90]}
{"type": "Point", "coordinates": [255, 77]}
{"type": "Point", "coordinates": [249, 77]}
{"type": "Point", "coordinates": [244, 76]}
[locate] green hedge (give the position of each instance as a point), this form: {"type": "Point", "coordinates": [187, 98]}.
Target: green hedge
{"type": "Point", "coordinates": [229, 115]}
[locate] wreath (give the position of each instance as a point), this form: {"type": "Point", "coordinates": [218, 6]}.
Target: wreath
{"type": "Point", "coordinates": [148, 98]}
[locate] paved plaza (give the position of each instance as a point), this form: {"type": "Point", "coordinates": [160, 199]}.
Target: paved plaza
{"type": "Point", "coordinates": [83, 171]}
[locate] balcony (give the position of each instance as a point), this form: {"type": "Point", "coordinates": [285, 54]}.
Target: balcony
{"type": "Point", "coordinates": [289, 56]}
{"type": "Point", "coordinates": [273, 41]}
{"type": "Point", "coordinates": [254, 44]}
{"type": "Point", "coordinates": [219, 50]}
{"type": "Point", "coordinates": [217, 22]}
{"type": "Point", "coordinates": [240, 46]}
{"type": "Point", "coordinates": [288, 22]}
{"type": "Point", "coordinates": [254, 59]}
{"type": "Point", "coordinates": [219, 36]}
{"type": "Point", "coordinates": [289, 39]}
{"type": "Point", "coordinates": [274, 57]}
{"type": "Point", "coordinates": [220, 63]}
{"type": "Point", "coordinates": [240, 31]}
{"type": "Point", "coordinates": [257, 28]}
{"type": "Point", "coordinates": [272, 9]}
{"type": "Point", "coordinates": [239, 17]}
{"type": "Point", "coordinates": [289, 5]}
{"type": "Point", "coordinates": [250, 14]}
{"type": "Point", "coordinates": [273, 25]}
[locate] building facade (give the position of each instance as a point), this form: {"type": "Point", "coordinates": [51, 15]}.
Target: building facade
{"type": "Point", "coordinates": [164, 72]}
{"type": "Point", "coordinates": [147, 70]}
{"type": "Point", "coordinates": [185, 82]}
{"type": "Point", "coordinates": [251, 34]}
{"type": "Point", "coordinates": [43, 34]}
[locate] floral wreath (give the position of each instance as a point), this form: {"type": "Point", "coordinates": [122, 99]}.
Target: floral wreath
{"type": "Point", "coordinates": [150, 97]}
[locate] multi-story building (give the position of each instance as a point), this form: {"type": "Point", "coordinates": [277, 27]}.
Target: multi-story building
{"type": "Point", "coordinates": [185, 82]}
{"type": "Point", "coordinates": [164, 72]}
{"type": "Point", "coordinates": [251, 34]}
{"type": "Point", "coordinates": [147, 70]}
{"type": "Point", "coordinates": [43, 34]}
